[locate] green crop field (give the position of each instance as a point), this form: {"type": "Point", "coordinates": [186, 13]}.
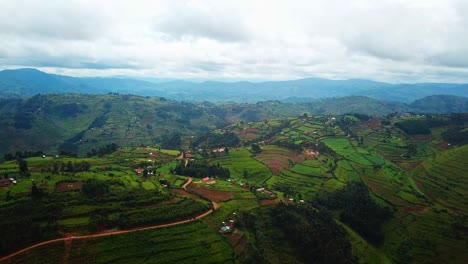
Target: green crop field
{"type": "Point", "coordinates": [190, 243]}
{"type": "Point", "coordinates": [445, 178]}
{"type": "Point", "coordinates": [240, 160]}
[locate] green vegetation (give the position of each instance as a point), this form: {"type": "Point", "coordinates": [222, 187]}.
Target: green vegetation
{"type": "Point", "coordinates": [359, 211]}
{"type": "Point", "coordinates": [287, 233]}
{"type": "Point", "coordinates": [189, 243]}
{"type": "Point", "coordinates": [341, 189]}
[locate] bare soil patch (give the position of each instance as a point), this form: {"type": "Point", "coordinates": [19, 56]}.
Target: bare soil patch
{"type": "Point", "coordinates": [213, 195]}
{"type": "Point", "coordinates": [277, 161]}
{"type": "Point", "coordinates": [185, 193]}
{"type": "Point", "coordinates": [268, 202]}
{"type": "Point", "coordinates": [373, 123]}
{"type": "Point", "coordinates": [416, 208]}
{"type": "Point", "coordinates": [68, 186]}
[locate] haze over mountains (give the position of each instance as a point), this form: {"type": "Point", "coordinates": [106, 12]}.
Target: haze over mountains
{"type": "Point", "coordinates": [28, 82]}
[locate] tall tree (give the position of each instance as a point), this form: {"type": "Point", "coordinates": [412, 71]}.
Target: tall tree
{"type": "Point", "coordinates": [23, 167]}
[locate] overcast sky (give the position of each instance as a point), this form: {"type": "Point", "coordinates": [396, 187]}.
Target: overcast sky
{"type": "Point", "coordinates": [395, 41]}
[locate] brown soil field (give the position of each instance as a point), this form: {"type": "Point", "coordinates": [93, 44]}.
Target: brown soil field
{"type": "Point", "coordinates": [240, 247]}
{"type": "Point", "coordinates": [68, 186]}
{"type": "Point", "coordinates": [268, 202]}
{"type": "Point", "coordinates": [212, 195]}
{"type": "Point", "coordinates": [185, 193]}
{"type": "Point", "coordinates": [373, 123]}
{"type": "Point", "coordinates": [237, 241]}
{"type": "Point", "coordinates": [416, 208]}
{"type": "Point", "coordinates": [277, 161]}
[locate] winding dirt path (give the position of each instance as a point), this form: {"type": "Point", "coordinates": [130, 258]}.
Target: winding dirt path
{"type": "Point", "coordinates": [215, 207]}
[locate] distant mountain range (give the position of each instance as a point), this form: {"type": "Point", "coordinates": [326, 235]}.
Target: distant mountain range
{"type": "Point", "coordinates": [28, 82]}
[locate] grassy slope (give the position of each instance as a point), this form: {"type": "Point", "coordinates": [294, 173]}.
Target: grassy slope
{"type": "Point", "coordinates": [189, 243]}
{"type": "Point", "coordinates": [445, 178]}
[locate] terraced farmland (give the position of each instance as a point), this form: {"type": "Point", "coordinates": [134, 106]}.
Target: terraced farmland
{"type": "Point", "coordinates": [241, 160]}
{"type": "Point", "coordinates": [343, 147]}
{"type": "Point", "coordinates": [189, 243]}
{"type": "Point", "coordinates": [445, 178]}
{"type": "Point", "coordinates": [278, 158]}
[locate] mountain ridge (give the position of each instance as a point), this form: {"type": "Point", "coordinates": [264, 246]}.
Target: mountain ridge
{"type": "Point", "coordinates": [29, 81]}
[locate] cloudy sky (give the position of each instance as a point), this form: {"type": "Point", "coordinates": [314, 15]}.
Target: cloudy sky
{"type": "Point", "coordinates": [386, 40]}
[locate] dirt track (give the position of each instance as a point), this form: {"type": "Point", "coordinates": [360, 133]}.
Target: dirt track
{"type": "Point", "coordinates": [215, 206]}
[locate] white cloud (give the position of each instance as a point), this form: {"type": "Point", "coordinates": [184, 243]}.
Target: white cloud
{"type": "Point", "coordinates": [386, 40]}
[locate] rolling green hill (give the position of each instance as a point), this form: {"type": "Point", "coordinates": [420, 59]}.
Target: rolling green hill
{"type": "Point", "coordinates": [79, 122]}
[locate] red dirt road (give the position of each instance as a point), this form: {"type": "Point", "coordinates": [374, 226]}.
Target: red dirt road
{"type": "Point", "coordinates": [215, 207]}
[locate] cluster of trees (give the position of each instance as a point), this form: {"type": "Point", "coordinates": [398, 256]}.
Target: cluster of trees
{"type": "Point", "coordinates": [23, 167]}
{"type": "Point", "coordinates": [101, 151]}
{"type": "Point", "coordinates": [98, 121]}
{"type": "Point", "coordinates": [70, 167]}
{"type": "Point", "coordinates": [68, 110]}
{"type": "Point", "coordinates": [414, 127]}
{"type": "Point", "coordinates": [23, 120]}
{"type": "Point", "coordinates": [456, 135]}
{"type": "Point", "coordinates": [20, 223]}
{"type": "Point", "coordinates": [255, 148]}
{"type": "Point", "coordinates": [22, 155]}
{"type": "Point", "coordinates": [211, 140]}
{"type": "Point", "coordinates": [172, 141]}
{"type": "Point", "coordinates": [289, 144]}
{"type": "Point", "coordinates": [359, 211]}
{"type": "Point", "coordinates": [200, 169]}
{"type": "Point", "coordinates": [285, 188]}
{"type": "Point", "coordinates": [422, 126]}
{"type": "Point", "coordinates": [315, 235]}
{"type": "Point", "coordinates": [95, 188]}
{"type": "Point", "coordinates": [311, 234]}
{"type": "Point", "coordinates": [70, 146]}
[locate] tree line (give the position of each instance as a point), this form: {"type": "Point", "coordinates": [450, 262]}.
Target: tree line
{"type": "Point", "coordinates": [200, 169]}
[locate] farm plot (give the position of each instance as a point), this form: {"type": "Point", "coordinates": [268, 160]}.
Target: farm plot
{"type": "Point", "coordinates": [307, 186]}
{"type": "Point", "coordinates": [445, 178]}
{"type": "Point", "coordinates": [383, 187]}
{"type": "Point", "coordinates": [345, 172]}
{"type": "Point", "coordinates": [278, 158]}
{"type": "Point", "coordinates": [68, 186]}
{"type": "Point", "coordinates": [358, 155]}
{"type": "Point", "coordinates": [430, 235]}
{"type": "Point", "coordinates": [221, 191]}
{"type": "Point", "coordinates": [189, 243]}
{"type": "Point", "coordinates": [240, 163]}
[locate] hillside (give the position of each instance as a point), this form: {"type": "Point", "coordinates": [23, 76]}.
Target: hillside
{"type": "Point", "coordinates": [28, 82]}
{"type": "Point", "coordinates": [353, 189]}
{"type": "Point", "coordinates": [78, 123]}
